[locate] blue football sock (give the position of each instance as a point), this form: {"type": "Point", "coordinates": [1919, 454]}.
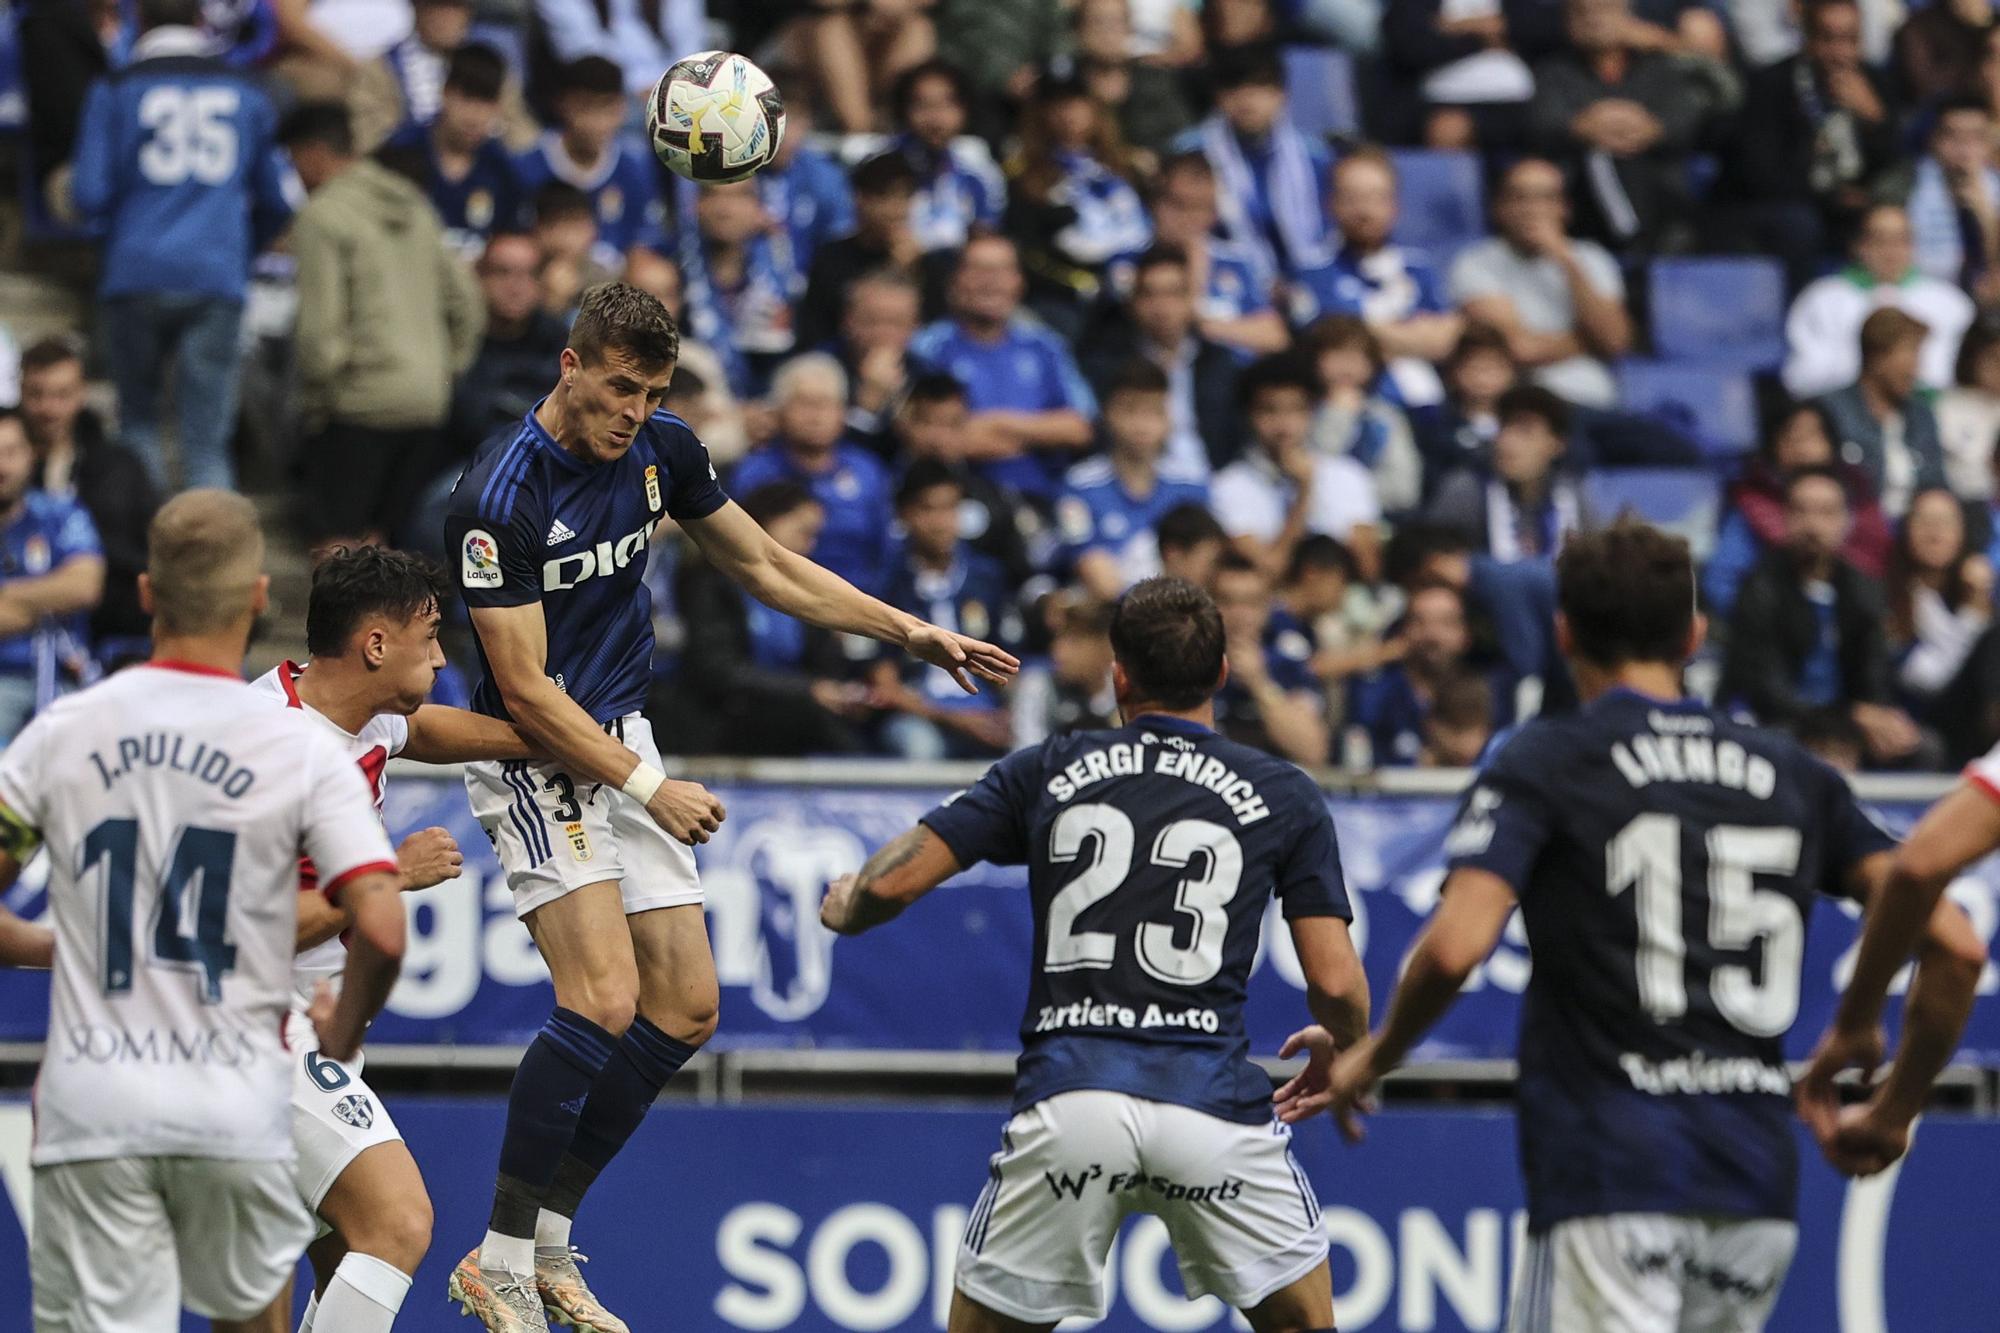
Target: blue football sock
{"type": "Point", "coordinates": [645, 1059]}
{"type": "Point", "coordinates": [550, 1089]}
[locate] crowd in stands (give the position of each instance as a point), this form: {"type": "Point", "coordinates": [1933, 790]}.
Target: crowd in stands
{"type": "Point", "coordinates": [1350, 310]}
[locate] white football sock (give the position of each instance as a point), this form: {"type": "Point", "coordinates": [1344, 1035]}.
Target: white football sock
{"type": "Point", "coordinates": [312, 1308]}
{"type": "Point", "coordinates": [552, 1231]}
{"type": "Point", "coordinates": [514, 1254]}
{"type": "Point", "coordinates": [364, 1296]}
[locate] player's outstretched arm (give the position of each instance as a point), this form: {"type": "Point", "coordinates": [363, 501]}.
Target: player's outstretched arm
{"type": "Point", "coordinates": [440, 735]}
{"type": "Point", "coordinates": [1953, 834]}
{"type": "Point", "coordinates": [319, 920]}
{"type": "Point", "coordinates": [22, 943]}
{"type": "Point", "coordinates": [374, 958]}
{"type": "Point", "coordinates": [1866, 1139]}
{"type": "Point", "coordinates": [516, 642]}
{"type": "Point", "coordinates": [784, 581]}
{"type": "Point", "coordinates": [901, 871]}
{"type": "Point", "coordinates": [1458, 938]}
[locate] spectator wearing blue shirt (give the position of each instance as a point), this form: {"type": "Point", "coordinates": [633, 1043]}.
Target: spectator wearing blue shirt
{"type": "Point", "coordinates": [404, 86]}
{"type": "Point", "coordinates": [810, 395]}
{"type": "Point", "coordinates": [1392, 703]}
{"type": "Point", "coordinates": [1157, 323]}
{"type": "Point", "coordinates": [590, 151]}
{"type": "Point", "coordinates": [177, 164]}
{"type": "Point", "coordinates": [997, 522]}
{"type": "Point", "coordinates": [939, 577]}
{"type": "Point", "coordinates": [458, 156]}
{"type": "Point", "coordinates": [1270, 177]}
{"type": "Point", "coordinates": [739, 289]}
{"type": "Point", "coordinates": [1030, 405]}
{"type": "Point", "coordinates": [1357, 417]}
{"type": "Point", "coordinates": [1397, 292]}
{"type": "Point", "coordinates": [1111, 505]}
{"type": "Point", "coordinates": [959, 189]}
{"type": "Point", "coordinates": [1270, 700]}
{"type": "Point", "coordinates": [805, 192]}
{"type": "Point", "coordinates": [642, 36]}
{"type": "Point", "coordinates": [51, 577]}
{"type": "Point", "coordinates": [1521, 504]}
{"type": "Point", "coordinates": [1232, 290]}
{"type": "Point", "coordinates": [1070, 200]}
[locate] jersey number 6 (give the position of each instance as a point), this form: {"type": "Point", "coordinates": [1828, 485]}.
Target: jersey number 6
{"type": "Point", "coordinates": [1201, 897]}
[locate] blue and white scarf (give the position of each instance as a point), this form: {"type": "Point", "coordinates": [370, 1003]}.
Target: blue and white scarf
{"type": "Point", "coordinates": [1940, 245]}
{"type": "Point", "coordinates": [1292, 197]}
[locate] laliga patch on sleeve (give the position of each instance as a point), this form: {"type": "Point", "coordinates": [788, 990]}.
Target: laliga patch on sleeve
{"type": "Point", "coordinates": [479, 561]}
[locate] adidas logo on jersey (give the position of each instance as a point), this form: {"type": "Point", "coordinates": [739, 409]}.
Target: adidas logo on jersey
{"type": "Point", "coordinates": [560, 533]}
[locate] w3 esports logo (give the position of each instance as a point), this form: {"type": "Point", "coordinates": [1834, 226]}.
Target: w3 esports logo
{"type": "Point", "coordinates": [763, 890]}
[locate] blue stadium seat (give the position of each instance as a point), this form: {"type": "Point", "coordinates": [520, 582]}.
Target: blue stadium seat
{"type": "Point", "coordinates": [1713, 311]}
{"type": "Point", "coordinates": [1441, 201]}
{"type": "Point", "coordinates": [1684, 501]}
{"type": "Point", "coordinates": [1319, 84]}
{"type": "Point", "coordinates": [1713, 406]}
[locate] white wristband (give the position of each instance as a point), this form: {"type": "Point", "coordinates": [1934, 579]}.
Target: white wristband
{"type": "Point", "coordinates": [645, 780]}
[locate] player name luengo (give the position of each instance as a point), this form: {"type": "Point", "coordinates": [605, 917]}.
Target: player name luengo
{"type": "Point", "coordinates": [1125, 759]}
{"type": "Point", "coordinates": [165, 749]}
{"type": "Point", "coordinates": [1647, 759]}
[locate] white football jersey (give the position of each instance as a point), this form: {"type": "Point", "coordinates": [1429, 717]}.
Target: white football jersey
{"type": "Point", "coordinates": [371, 749]}
{"type": "Point", "coordinates": [175, 804]}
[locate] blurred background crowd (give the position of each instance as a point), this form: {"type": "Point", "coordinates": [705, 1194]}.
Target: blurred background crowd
{"type": "Point", "coordinates": [1350, 310]}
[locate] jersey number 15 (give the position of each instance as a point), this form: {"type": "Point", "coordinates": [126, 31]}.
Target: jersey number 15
{"type": "Point", "coordinates": [1646, 857]}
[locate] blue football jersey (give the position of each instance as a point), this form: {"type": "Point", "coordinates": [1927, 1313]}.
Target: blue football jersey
{"type": "Point", "coordinates": [531, 522]}
{"type": "Point", "coordinates": [1152, 853]}
{"type": "Point", "coordinates": [484, 200]}
{"type": "Point", "coordinates": [1666, 859]}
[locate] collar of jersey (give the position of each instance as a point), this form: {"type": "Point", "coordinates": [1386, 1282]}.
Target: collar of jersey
{"type": "Point", "coordinates": [1161, 722]}
{"type": "Point", "coordinates": [191, 668]}
{"type": "Point", "coordinates": [1686, 703]}
{"type": "Point", "coordinates": [547, 442]}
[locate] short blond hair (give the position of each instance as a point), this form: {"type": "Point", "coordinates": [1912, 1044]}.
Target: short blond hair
{"type": "Point", "coordinates": [204, 553]}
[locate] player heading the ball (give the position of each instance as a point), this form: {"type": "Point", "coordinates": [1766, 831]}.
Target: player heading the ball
{"type": "Point", "coordinates": [548, 528]}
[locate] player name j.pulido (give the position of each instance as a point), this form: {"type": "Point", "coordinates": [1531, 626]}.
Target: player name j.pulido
{"type": "Point", "coordinates": [1127, 759]}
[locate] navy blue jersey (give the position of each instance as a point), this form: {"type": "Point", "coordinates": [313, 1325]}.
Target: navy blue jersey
{"type": "Point", "coordinates": [1666, 859]}
{"type": "Point", "coordinates": [531, 522]}
{"type": "Point", "coordinates": [1152, 852]}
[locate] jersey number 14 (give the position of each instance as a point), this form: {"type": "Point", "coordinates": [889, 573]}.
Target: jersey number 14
{"type": "Point", "coordinates": [1646, 857]}
{"type": "Point", "coordinates": [196, 886]}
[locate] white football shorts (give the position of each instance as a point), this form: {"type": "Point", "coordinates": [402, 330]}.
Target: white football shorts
{"type": "Point", "coordinates": [554, 832]}
{"type": "Point", "coordinates": [122, 1243]}
{"type": "Point", "coordinates": [1241, 1214]}
{"type": "Point", "coordinates": [335, 1115]}
{"type": "Point", "coordinates": [1652, 1273]}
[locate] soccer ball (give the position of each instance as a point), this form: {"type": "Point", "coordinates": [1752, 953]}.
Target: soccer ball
{"type": "Point", "coordinates": [715, 118]}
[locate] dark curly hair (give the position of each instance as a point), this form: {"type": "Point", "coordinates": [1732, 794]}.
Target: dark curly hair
{"type": "Point", "coordinates": [356, 582]}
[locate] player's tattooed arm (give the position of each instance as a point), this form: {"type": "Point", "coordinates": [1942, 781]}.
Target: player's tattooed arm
{"type": "Point", "coordinates": [900, 872]}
